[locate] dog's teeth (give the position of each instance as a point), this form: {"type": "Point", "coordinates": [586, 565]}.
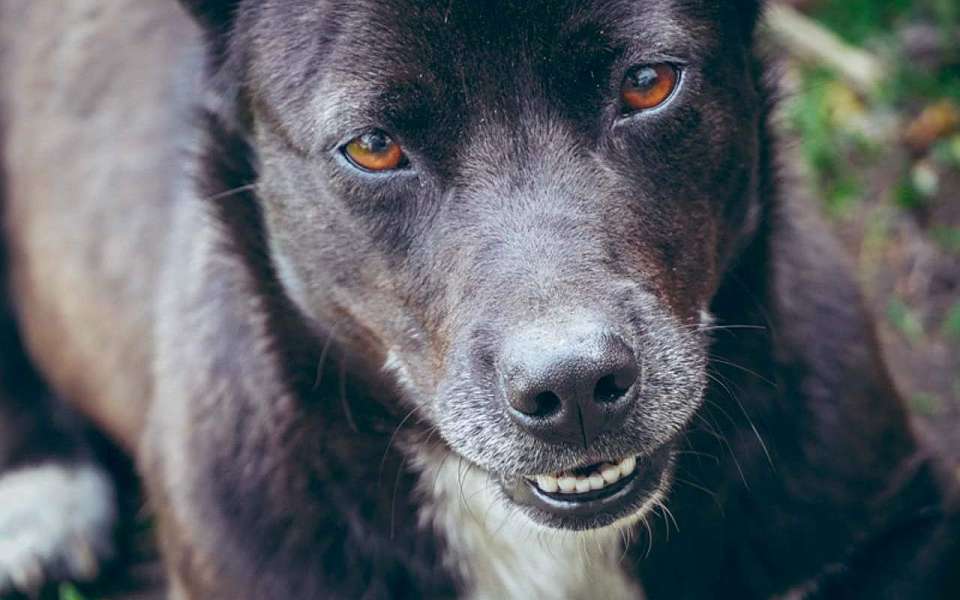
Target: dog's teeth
{"type": "Point", "coordinates": [610, 473]}
{"type": "Point", "coordinates": [548, 483]}
{"type": "Point", "coordinates": [601, 476]}
{"type": "Point", "coordinates": [596, 482]}
{"type": "Point", "coordinates": [583, 485]}
{"type": "Point", "coordinates": [567, 484]}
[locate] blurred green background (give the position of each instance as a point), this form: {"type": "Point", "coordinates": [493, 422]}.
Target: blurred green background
{"type": "Point", "coordinates": [884, 162]}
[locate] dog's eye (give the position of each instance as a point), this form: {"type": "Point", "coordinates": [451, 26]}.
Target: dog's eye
{"type": "Point", "coordinates": [648, 86]}
{"type": "Point", "coordinates": [375, 151]}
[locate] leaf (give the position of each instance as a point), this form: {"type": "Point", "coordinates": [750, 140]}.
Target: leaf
{"type": "Point", "coordinates": [68, 591]}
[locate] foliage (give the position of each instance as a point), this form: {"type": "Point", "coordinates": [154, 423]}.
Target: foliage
{"type": "Point", "coordinates": [68, 591]}
{"type": "Point", "coordinates": [885, 165]}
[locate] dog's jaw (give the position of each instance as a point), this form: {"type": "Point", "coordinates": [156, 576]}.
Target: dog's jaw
{"type": "Point", "coordinates": [499, 552]}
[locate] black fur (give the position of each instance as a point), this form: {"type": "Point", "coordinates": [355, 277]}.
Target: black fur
{"type": "Point", "coordinates": [799, 499]}
{"type": "Point", "coordinates": [325, 330]}
{"type": "Point", "coordinates": [324, 504]}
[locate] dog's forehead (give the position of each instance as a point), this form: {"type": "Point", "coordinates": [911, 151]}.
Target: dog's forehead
{"type": "Point", "coordinates": [468, 45]}
{"type": "Point", "coordinates": [503, 30]}
{"type": "Point", "coordinates": [396, 62]}
{"type": "Point", "coordinates": [482, 22]}
{"type": "Point", "coordinates": [418, 35]}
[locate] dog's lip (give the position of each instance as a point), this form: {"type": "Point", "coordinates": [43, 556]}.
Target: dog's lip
{"type": "Point", "coordinates": [616, 501]}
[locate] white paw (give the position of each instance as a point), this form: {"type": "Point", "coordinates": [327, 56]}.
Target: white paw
{"type": "Point", "coordinates": [56, 523]}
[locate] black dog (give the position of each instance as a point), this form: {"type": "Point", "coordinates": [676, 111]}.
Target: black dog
{"type": "Point", "coordinates": [483, 298]}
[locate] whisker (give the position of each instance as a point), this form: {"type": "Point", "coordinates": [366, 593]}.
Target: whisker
{"type": "Point", "coordinates": [327, 343]}
{"type": "Point", "coordinates": [622, 532]}
{"type": "Point", "coordinates": [716, 359]}
{"type": "Point", "coordinates": [386, 451]}
{"type": "Point", "coordinates": [629, 534]}
{"type": "Point", "coordinates": [463, 499]}
{"type": "Point", "coordinates": [667, 513]}
{"type": "Point", "coordinates": [698, 454]}
{"type": "Point", "coordinates": [231, 192]}
{"type": "Point", "coordinates": [743, 409]}
{"type": "Point", "coordinates": [439, 471]}
{"type": "Point", "coordinates": [646, 525]}
{"type": "Point", "coordinates": [393, 501]}
{"type": "Point", "coordinates": [713, 495]}
{"type": "Point", "coordinates": [732, 327]}
{"type": "Point", "coordinates": [707, 401]}
{"type": "Point", "coordinates": [344, 402]}
{"type": "Point", "coordinates": [712, 430]}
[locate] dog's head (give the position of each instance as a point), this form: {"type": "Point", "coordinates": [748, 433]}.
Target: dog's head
{"type": "Point", "coordinates": [526, 206]}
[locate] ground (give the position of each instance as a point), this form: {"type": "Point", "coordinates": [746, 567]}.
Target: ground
{"type": "Point", "coordinates": [885, 163]}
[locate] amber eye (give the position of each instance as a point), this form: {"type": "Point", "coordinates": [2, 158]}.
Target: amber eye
{"type": "Point", "coordinates": [648, 86]}
{"type": "Point", "coordinates": [375, 151]}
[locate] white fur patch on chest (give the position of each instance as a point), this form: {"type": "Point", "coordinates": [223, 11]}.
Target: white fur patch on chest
{"type": "Point", "coordinates": [501, 553]}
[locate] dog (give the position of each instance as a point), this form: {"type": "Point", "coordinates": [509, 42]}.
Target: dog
{"type": "Point", "coordinates": [421, 298]}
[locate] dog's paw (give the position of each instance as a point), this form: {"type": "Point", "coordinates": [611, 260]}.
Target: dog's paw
{"type": "Point", "coordinates": [56, 523]}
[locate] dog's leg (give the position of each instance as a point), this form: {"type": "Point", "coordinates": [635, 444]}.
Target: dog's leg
{"type": "Point", "coordinates": [57, 507]}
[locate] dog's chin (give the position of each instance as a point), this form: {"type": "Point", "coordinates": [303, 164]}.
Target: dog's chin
{"type": "Point", "coordinates": [616, 493]}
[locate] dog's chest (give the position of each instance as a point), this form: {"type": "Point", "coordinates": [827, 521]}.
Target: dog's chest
{"type": "Point", "coordinates": [500, 554]}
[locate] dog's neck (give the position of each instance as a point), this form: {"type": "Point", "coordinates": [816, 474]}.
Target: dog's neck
{"type": "Point", "coordinates": [499, 553]}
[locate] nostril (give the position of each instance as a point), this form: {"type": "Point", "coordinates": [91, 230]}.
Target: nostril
{"type": "Point", "coordinates": [537, 405]}
{"type": "Point", "coordinates": [607, 390]}
{"type": "Point", "coordinates": [545, 404]}
{"type": "Point", "coordinates": [615, 386]}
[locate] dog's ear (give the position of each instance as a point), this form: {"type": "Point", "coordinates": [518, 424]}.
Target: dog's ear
{"type": "Point", "coordinates": [215, 16]}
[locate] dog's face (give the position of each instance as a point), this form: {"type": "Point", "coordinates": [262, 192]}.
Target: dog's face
{"type": "Point", "coordinates": [524, 207]}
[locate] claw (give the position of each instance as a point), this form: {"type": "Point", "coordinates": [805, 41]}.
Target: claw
{"type": "Point", "coordinates": [27, 577]}
{"type": "Point", "coordinates": [82, 561]}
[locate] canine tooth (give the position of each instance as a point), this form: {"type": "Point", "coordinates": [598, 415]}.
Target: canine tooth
{"type": "Point", "coordinates": [548, 483]}
{"type": "Point", "coordinates": [627, 466]}
{"type": "Point", "coordinates": [583, 485]}
{"type": "Point", "coordinates": [610, 473]}
{"type": "Point", "coordinates": [567, 484]}
{"type": "Point", "coordinates": [596, 482]}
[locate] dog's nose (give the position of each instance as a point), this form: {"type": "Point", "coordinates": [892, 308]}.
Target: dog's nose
{"type": "Point", "coordinates": [570, 383]}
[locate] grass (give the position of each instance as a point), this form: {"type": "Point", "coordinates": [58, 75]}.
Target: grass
{"type": "Point", "coordinates": [838, 129]}
{"type": "Point", "coordinates": [905, 320]}
{"type": "Point", "coordinates": [823, 115]}
{"type": "Point", "coordinates": [68, 591]}
{"type": "Point", "coordinates": [951, 325]}
{"type": "Point", "coordinates": [859, 20]}
{"type": "Point", "coordinates": [926, 404]}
